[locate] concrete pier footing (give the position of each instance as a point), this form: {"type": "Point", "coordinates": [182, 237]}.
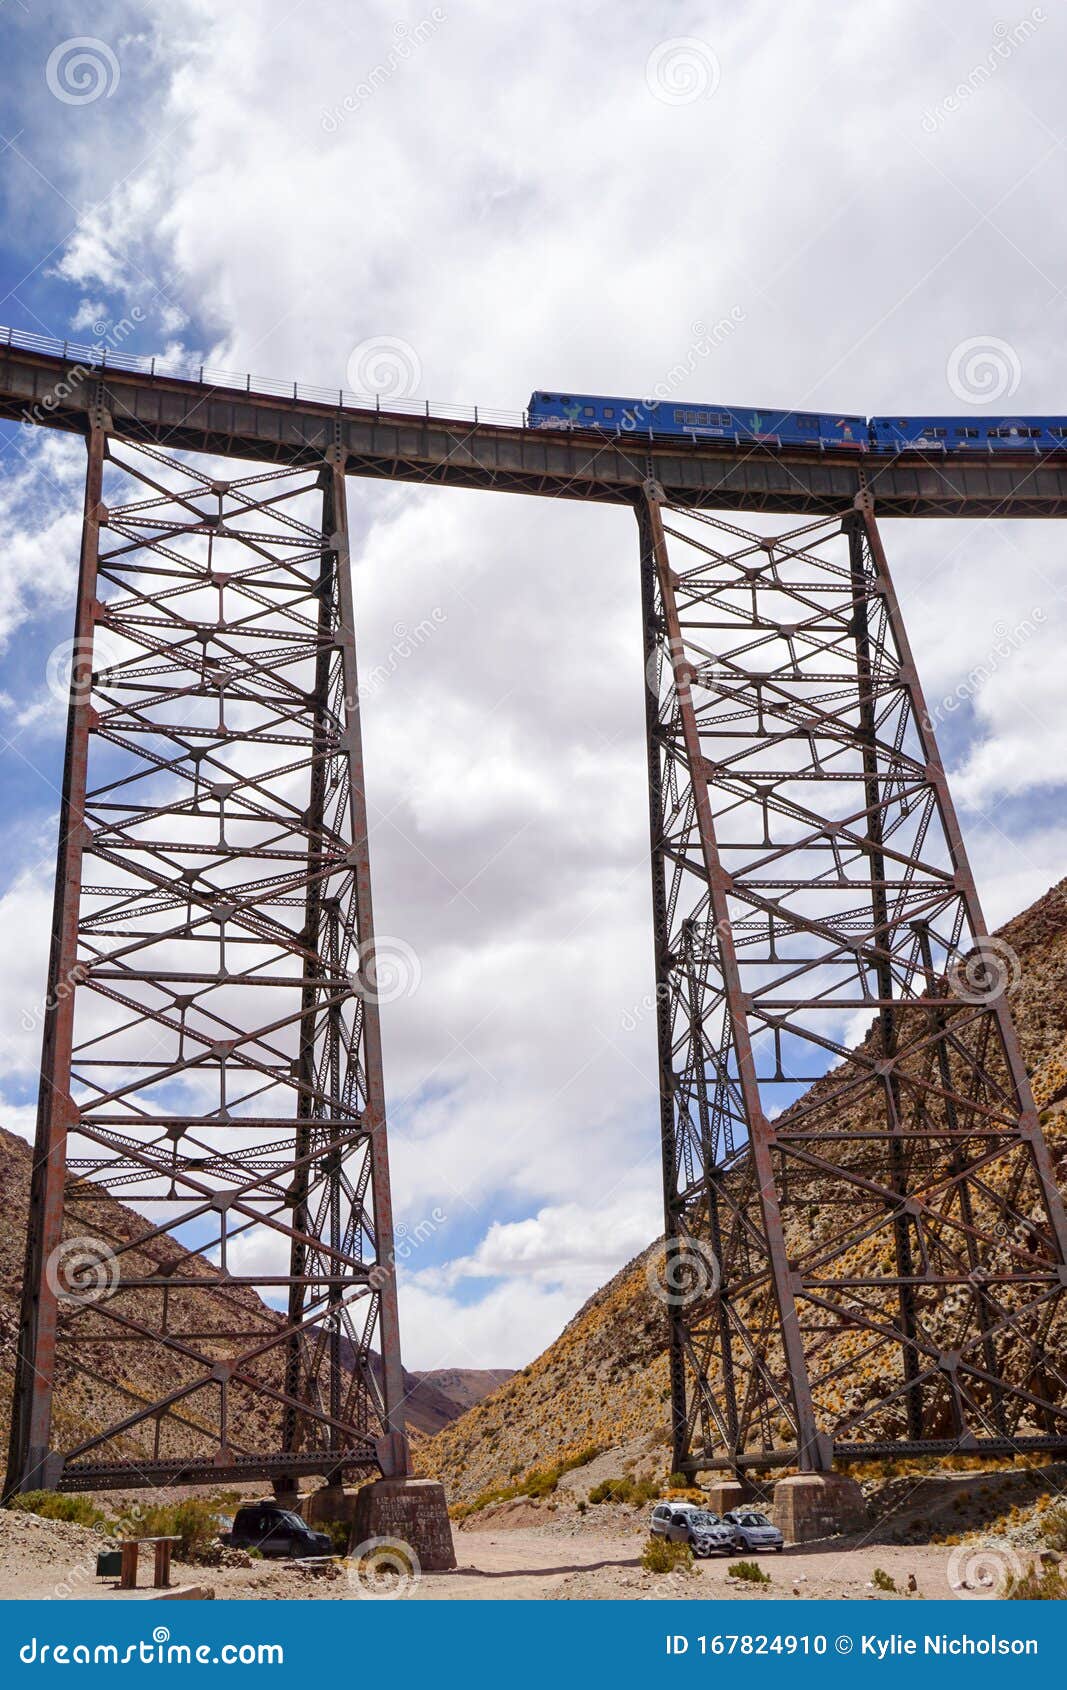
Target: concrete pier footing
{"type": "Point", "coordinates": [411, 1511]}
{"type": "Point", "coordinates": [808, 1506]}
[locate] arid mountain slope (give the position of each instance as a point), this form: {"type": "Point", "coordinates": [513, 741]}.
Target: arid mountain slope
{"type": "Point", "coordinates": [464, 1386]}
{"type": "Point", "coordinates": [96, 1393]}
{"type": "Point", "coordinates": [604, 1381]}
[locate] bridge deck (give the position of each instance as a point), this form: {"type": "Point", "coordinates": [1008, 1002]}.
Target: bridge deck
{"type": "Point", "coordinates": [44, 388]}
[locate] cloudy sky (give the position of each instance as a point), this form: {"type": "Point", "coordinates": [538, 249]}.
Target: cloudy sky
{"type": "Point", "coordinates": [475, 201]}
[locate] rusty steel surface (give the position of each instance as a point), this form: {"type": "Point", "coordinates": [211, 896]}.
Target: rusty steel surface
{"type": "Point", "coordinates": [49, 390]}
{"type": "Point", "coordinates": [865, 1243]}
{"type": "Point", "coordinates": [866, 1246]}
{"type": "Point", "coordinates": [212, 1049]}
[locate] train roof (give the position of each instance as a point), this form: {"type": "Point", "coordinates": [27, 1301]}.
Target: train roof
{"type": "Point", "coordinates": [699, 404]}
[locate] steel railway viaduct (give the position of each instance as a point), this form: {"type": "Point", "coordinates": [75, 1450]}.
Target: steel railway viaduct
{"type": "Point", "coordinates": [866, 1249]}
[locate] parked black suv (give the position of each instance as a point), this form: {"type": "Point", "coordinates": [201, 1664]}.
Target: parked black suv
{"type": "Point", "coordinates": [275, 1531]}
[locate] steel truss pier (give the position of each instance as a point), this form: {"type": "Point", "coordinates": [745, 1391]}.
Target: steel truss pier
{"type": "Point", "coordinates": [865, 1240]}
{"type": "Point", "coordinates": [212, 1050]}
{"type": "Point", "coordinates": [866, 1246]}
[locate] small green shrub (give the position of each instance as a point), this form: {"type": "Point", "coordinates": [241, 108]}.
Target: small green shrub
{"type": "Point", "coordinates": [882, 1580]}
{"type": "Point", "coordinates": [338, 1532]}
{"type": "Point", "coordinates": [749, 1572]}
{"type": "Point", "coordinates": [195, 1521]}
{"type": "Point", "coordinates": [625, 1489]}
{"type": "Point", "coordinates": [56, 1505]}
{"type": "Point", "coordinates": [1045, 1586]}
{"type": "Point", "coordinates": [538, 1483]}
{"type": "Point", "coordinates": [663, 1557]}
{"type": "Point", "coordinates": [1054, 1526]}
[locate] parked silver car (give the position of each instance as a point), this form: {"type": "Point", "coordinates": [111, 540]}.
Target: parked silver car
{"type": "Point", "coordinates": [687, 1522]}
{"type": "Point", "coordinates": [753, 1530]}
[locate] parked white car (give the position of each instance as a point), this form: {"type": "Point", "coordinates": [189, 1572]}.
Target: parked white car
{"type": "Point", "coordinates": [753, 1530]}
{"type": "Point", "coordinates": [687, 1522]}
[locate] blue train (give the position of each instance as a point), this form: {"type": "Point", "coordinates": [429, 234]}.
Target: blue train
{"type": "Point", "coordinates": [599, 414]}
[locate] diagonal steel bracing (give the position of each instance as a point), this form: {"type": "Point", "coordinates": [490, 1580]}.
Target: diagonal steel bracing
{"type": "Point", "coordinates": [866, 1239]}
{"type": "Point", "coordinates": [867, 1243]}
{"type": "Point", "coordinates": [212, 1050]}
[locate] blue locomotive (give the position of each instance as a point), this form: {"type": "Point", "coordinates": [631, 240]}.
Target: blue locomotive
{"type": "Point", "coordinates": [599, 414]}
{"type": "Point", "coordinates": [675, 416]}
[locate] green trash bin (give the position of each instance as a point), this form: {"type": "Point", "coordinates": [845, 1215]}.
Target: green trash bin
{"type": "Point", "coordinates": [109, 1564]}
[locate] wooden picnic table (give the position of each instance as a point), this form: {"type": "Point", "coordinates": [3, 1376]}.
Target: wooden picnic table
{"type": "Point", "coordinates": [131, 1550]}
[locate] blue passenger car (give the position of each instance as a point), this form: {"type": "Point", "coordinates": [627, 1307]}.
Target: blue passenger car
{"type": "Point", "coordinates": [599, 414]}
{"type": "Point", "coordinates": [962, 434]}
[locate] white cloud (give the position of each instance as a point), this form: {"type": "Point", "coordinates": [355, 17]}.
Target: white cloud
{"type": "Point", "coordinates": [513, 202]}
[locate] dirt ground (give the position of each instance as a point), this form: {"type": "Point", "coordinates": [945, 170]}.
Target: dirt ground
{"type": "Point", "coordinates": [45, 1558]}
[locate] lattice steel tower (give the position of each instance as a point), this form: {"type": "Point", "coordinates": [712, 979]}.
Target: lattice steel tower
{"type": "Point", "coordinates": [866, 1244]}
{"type": "Point", "coordinates": [212, 1051]}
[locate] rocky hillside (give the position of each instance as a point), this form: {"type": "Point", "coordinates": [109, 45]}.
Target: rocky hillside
{"type": "Point", "coordinates": [462, 1387]}
{"type": "Point", "coordinates": [96, 1392]}
{"type": "Point", "coordinates": [604, 1381]}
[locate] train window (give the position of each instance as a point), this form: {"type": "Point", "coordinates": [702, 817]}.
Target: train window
{"type": "Point", "coordinates": [679, 416]}
{"type": "Point", "coordinates": [934, 433]}
{"type": "Point", "coordinates": [609, 412]}
{"type": "Point", "coordinates": [589, 410]}
{"type": "Point", "coordinates": [1058, 433]}
{"type": "Point", "coordinates": [903, 423]}
{"type": "Point", "coordinates": [967, 433]}
{"type": "Point", "coordinates": [811, 423]}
